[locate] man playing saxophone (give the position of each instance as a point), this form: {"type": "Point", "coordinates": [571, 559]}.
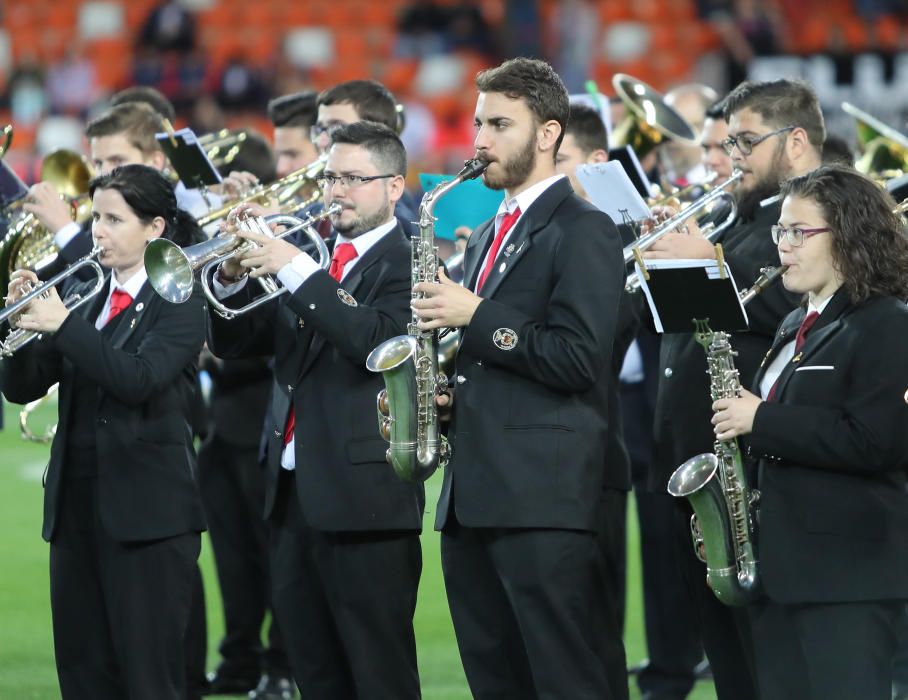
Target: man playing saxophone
{"type": "Point", "coordinates": [521, 493]}
{"type": "Point", "coordinates": [775, 131]}
{"type": "Point", "coordinates": [344, 548]}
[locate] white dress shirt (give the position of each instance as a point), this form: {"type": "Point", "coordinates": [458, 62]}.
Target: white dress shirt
{"type": "Point", "coordinates": [132, 287]}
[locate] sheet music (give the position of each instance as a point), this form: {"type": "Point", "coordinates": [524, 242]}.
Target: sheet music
{"type": "Point", "coordinates": [612, 191]}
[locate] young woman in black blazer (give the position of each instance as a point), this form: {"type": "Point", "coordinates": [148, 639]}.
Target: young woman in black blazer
{"type": "Point", "coordinates": [830, 433]}
{"type": "Point", "coordinates": [121, 510]}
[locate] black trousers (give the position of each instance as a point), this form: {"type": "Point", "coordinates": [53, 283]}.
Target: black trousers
{"type": "Point", "coordinates": [837, 651]}
{"type": "Point", "coordinates": [120, 610]}
{"type": "Point", "coordinates": [725, 630]}
{"type": "Point", "coordinates": [528, 609]}
{"type": "Point", "coordinates": [611, 536]}
{"type": "Point", "coordinates": [345, 602]}
{"type": "Point", "coordinates": [232, 485]}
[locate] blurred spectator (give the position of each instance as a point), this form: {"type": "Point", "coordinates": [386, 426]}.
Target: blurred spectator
{"type": "Point", "coordinates": [870, 10]}
{"type": "Point", "coordinates": [239, 87]}
{"type": "Point", "coordinates": [421, 30]}
{"type": "Point", "coordinates": [72, 83]}
{"type": "Point", "coordinates": [747, 28]}
{"type": "Point", "coordinates": [169, 27]}
{"type": "Point", "coordinates": [574, 42]}
{"type": "Point", "coordinates": [521, 25]}
{"type": "Point", "coordinates": [469, 31]}
{"type": "Point", "coordinates": [26, 88]}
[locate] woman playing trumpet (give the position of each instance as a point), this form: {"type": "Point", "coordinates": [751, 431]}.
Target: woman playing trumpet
{"type": "Point", "coordinates": [829, 426]}
{"type": "Point", "coordinates": [121, 508]}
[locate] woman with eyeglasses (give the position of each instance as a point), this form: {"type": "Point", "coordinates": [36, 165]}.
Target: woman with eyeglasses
{"type": "Point", "coordinates": [829, 431]}
{"type": "Point", "coordinates": [122, 511]}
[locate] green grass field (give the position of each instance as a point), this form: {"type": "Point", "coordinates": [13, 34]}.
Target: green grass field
{"type": "Point", "coordinates": [26, 646]}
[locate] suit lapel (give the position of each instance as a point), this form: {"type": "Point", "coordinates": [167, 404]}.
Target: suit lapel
{"type": "Point", "coordinates": [475, 253]}
{"type": "Point", "coordinates": [535, 218]}
{"type": "Point", "coordinates": [131, 316]}
{"type": "Point", "coordinates": [351, 284]}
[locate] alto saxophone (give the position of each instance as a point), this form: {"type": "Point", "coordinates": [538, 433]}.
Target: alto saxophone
{"type": "Point", "coordinates": [724, 521]}
{"type": "Point", "coordinates": [407, 415]}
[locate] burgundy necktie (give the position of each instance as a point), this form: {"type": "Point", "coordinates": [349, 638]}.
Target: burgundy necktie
{"type": "Point", "coordinates": [119, 300]}
{"type": "Point", "coordinates": [343, 253]}
{"type": "Point", "coordinates": [801, 338]}
{"type": "Point", "coordinates": [507, 223]}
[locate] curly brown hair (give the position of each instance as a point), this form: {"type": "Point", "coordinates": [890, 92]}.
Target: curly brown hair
{"type": "Point", "coordinates": [869, 240]}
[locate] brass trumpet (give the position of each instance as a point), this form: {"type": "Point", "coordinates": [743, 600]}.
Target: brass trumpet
{"type": "Point", "coordinates": [19, 337]}
{"type": "Point", "coordinates": [222, 146]}
{"type": "Point", "coordinates": [298, 185]}
{"type": "Point", "coordinates": [171, 269]}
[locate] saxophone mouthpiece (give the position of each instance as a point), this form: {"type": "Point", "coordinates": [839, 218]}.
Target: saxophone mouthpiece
{"type": "Point", "coordinates": [472, 169]}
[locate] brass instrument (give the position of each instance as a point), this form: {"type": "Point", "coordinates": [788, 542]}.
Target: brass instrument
{"type": "Point", "coordinates": [19, 337]}
{"type": "Point", "coordinates": [407, 415]}
{"type": "Point", "coordinates": [650, 120]}
{"type": "Point", "coordinates": [295, 191]}
{"type": "Point", "coordinates": [25, 414]}
{"type": "Point", "coordinates": [885, 149]}
{"type": "Point", "coordinates": [632, 250]}
{"type": "Point", "coordinates": [724, 521]}
{"type": "Point", "coordinates": [171, 269]}
{"type": "Point", "coordinates": [27, 243]}
{"type": "Point", "coordinates": [7, 134]}
{"type": "Point", "coordinates": [223, 146]}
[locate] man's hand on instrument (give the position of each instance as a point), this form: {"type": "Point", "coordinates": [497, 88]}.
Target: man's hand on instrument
{"type": "Point", "coordinates": [681, 245]}
{"type": "Point", "coordinates": [445, 304]}
{"type": "Point", "coordinates": [734, 417]}
{"type": "Point", "coordinates": [270, 255]}
{"type": "Point", "coordinates": [45, 314]}
{"type": "Point", "coordinates": [237, 183]}
{"type": "Point", "coordinates": [48, 206]}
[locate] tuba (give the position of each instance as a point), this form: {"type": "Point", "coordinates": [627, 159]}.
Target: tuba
{"type": "Point", "coordinates": [650, 120]}
{"type": "Point", "coordinates": [407, 415]}
{"type": "Point", "coordinates": [27, 243]}
{"type": "Point", "coordinates": [724, 521]}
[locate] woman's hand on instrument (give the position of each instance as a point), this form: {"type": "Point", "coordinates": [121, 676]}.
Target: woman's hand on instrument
{"type": "Point", "coordinates": [445, 304]}
{"type": "Point", "coordinates": [45, 314]}
{"type": "Point", "coordinates": [237, 183]}
{"type": "Point", "coordinates": [734, 417]}
{"type": "Point", "coordinates": [48, 206]}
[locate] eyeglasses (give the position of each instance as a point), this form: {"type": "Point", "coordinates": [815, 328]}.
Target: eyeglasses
{"type": "Point", "coordinates": [795, 236]}
{"type": "Point", "coordinates": [317, 130]}
{"type": "Point", "coordinates": [350, 182]}
{"type": "Point", "coordinates": [745, 144]}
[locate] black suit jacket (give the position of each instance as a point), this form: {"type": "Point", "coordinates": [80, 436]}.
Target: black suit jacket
{"type": "Point", "coordinates": [145, 369]}
{"type": "Point", "coordinates": [833, 458]}
{"type": "Point", "coordinates": [531, 413]}
{"type": "Point", "coordinates": [682, 425]}
{"type": "Point", "coordinates": [320, 343]}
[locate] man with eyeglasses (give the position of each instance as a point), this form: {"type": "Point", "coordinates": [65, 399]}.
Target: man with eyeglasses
{"type": "Point", "coordinates": [775, 131]}
{"type": "Point", "coordinates": [344, 548]}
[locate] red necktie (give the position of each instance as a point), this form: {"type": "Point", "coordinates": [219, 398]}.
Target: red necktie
{"type": "Point", "coordinates": [801, 338]}
{"type": "Point", "coordinates": [343, 253]}
{"type": "Point", "coordinates": [507, 223]}
{"type": "Point", "coordinates": [119, 300]}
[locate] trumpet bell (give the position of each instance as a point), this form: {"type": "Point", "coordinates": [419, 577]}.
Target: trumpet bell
{"type": "Point", "coordinates": [650, 120]}
{"type": "Point", "coordinates": [170, 270]}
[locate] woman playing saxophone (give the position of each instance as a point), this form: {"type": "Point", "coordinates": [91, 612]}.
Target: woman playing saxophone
{"type": "Point", "coordinates": [828, 424]}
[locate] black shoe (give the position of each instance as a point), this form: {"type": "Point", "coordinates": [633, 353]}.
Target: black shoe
{"type": "Point", "coordinates": [221, 682]}
{"type": "Point", "coordinates": [273, 688]}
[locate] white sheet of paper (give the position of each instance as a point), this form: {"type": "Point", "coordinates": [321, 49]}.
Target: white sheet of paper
{"type": "Point", "coordinates": [612, 191]}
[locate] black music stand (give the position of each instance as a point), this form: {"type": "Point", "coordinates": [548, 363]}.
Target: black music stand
{"type": "Point", "coordinates": [681, 292]}
{"type": "Point", "coordinates": [189, 159]}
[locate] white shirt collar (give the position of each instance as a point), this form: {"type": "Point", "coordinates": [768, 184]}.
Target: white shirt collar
{"type": "Point", "coordinates": [363, 242]}
{"type": "Point", "coordinates": [819, 309]}
{"type": "Point", "coordinates": [526, 198]}
{"type": "Point", "coordinates": [133, 286]}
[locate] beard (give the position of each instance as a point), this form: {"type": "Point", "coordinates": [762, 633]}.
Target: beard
{"type": "Point", "coordinates": [365, 222]}
{"type": "Point", "coordinates": [767, 186]}
{"type": "Point", "coordinates": [515, 170]}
